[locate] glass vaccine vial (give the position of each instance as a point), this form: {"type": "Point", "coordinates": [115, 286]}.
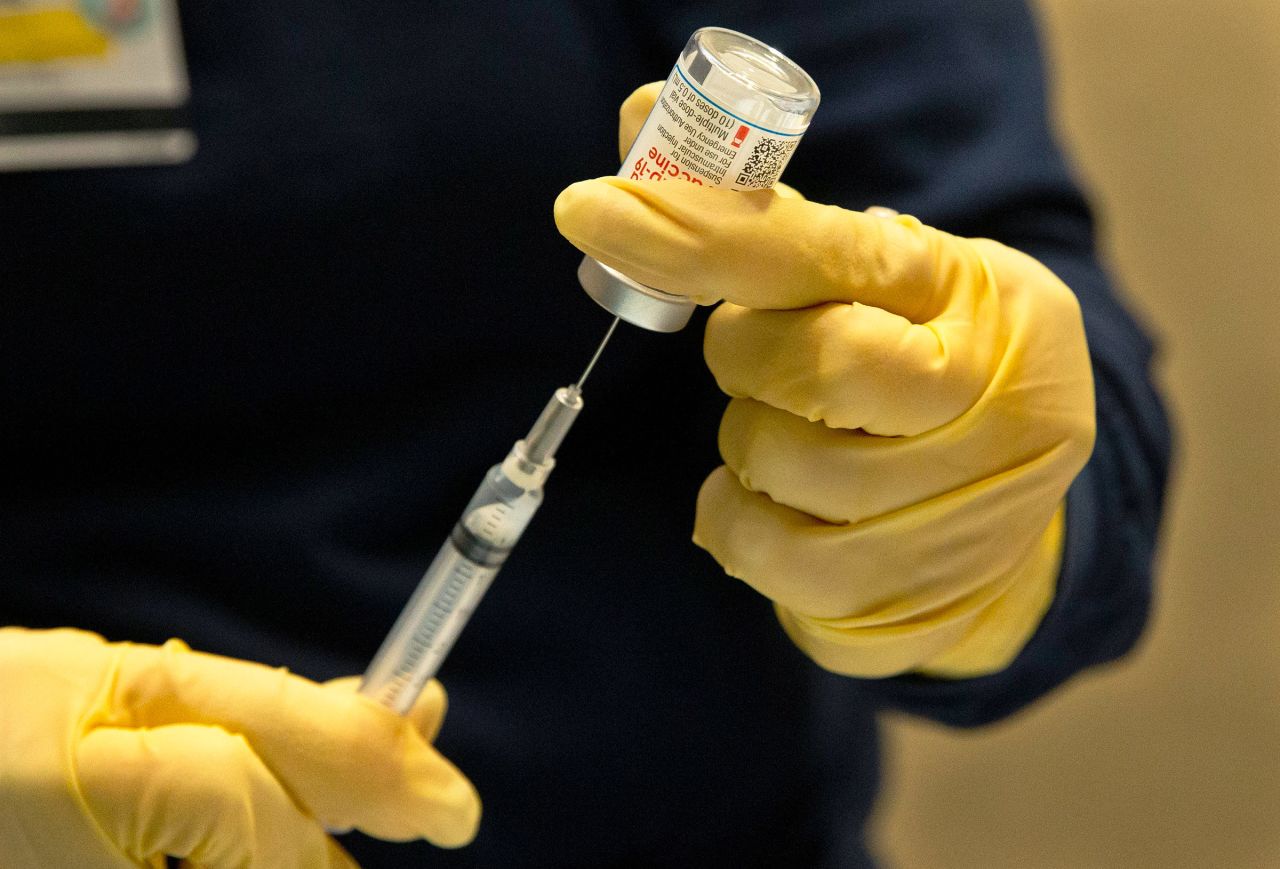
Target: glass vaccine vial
{"type": "Point", "coordinates": [730, 115]}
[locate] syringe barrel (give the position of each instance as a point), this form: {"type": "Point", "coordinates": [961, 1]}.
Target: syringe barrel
{"type": "Point", "coordinates": [498, 513]}
{"type": "Point", "coordinates": [450, 590]}
{"type": "Point", "coordinates": [730, 115]}
{"type": "Point", "coordinates": [426, 629]}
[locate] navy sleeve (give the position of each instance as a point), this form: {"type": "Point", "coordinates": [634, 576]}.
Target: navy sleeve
{"type": "Point", "coordinates": [937, 108]}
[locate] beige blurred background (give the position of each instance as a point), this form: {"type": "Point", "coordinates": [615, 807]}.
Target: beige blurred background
{"type": "Point", "coordinates": [1171, 110]}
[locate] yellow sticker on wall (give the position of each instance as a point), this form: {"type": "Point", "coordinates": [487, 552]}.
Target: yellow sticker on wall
{"type": "Point", "coordinates": [48, 34]}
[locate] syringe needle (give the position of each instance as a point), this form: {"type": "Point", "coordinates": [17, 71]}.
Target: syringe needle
{"type": "Point", "coordinates": [592, 364]}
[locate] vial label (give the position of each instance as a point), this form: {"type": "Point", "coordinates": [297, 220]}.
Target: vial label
{"type": "Point", "coordinates": [691, 137]}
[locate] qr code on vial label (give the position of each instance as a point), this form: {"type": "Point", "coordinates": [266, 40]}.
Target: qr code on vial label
{"type": "Point", "coordinates": [764, 163]}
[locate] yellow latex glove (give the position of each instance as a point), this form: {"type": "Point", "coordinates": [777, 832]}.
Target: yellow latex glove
{"type": "Point", "coordinates": [113, 755]}
{"type": "Point", "coordinates": [908, 409]}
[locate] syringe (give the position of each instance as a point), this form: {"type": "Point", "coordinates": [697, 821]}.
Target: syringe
{"type": "Point", "coordinates": [470, 558]}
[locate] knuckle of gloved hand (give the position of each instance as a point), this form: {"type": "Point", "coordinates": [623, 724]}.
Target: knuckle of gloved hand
{"type": "Point", "coordinates": [771, 451]}
{"type": "Point", "coordinates": [149, 674]}
{"type": "Point", "coordinates": [742, 532]}
{"type": "Point", "coordinates": [739, 437]}
{"type": "Point", "coordinates": [219, 776]}
{"type": "Point", "coordinates": [722, 349]}
{"type": "Point", "coordinates": [1021, 272]}
{"type": "Point", "coordinates": [795, 361]}
{"type": "Point", "coordinates": [569, 207]}
{"type": "Point", "coordinates": [206, 775]}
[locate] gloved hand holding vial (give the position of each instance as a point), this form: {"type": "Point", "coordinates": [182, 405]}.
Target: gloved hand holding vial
{"type": "Point", "coordinates": [896, 393]}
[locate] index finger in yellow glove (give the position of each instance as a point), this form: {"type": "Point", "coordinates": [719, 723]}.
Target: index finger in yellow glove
{"type": "Point", "coordinates": [119, 753]}
{"type": "Point", "coordinates": [899, 395]}
{"type": "Point", "coordinates": [871, 291]}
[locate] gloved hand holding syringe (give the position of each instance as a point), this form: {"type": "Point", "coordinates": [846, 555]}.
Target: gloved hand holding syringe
{"type": "Point", "coordinates": [729, 116]}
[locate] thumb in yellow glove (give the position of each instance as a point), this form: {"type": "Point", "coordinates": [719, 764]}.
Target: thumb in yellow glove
{"type": "Point", "coordinates": [119, 754]}
{"type": "Point", "coordinates": [908, 409]}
